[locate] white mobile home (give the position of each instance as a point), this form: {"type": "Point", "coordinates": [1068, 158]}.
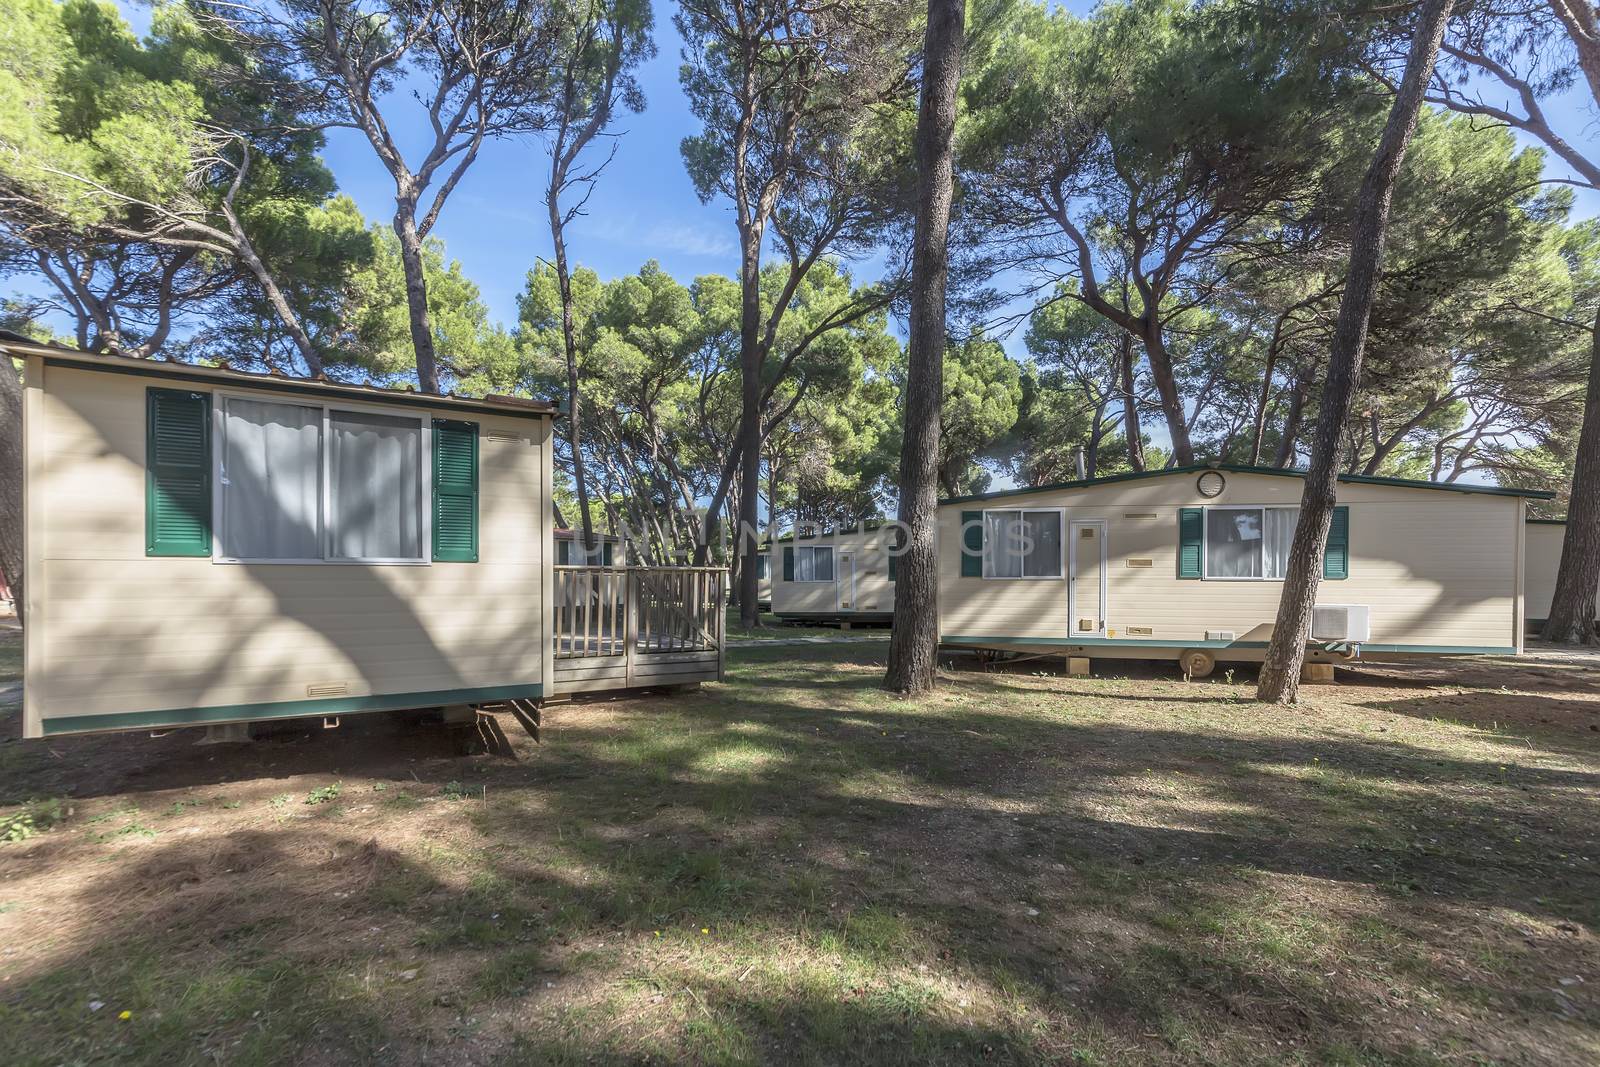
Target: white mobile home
{"type": "Point", "coordinates": [608, 550]}
{"type": "Point", "coordinates": [764, 578]}
{"type": "Point", "coordinates": [1188, 563]}
{"type": "Point", "coordinates": [1545, 537]}
{"type": "Point", "coordinates": [207, 546]}
{"type": "Point", "coordinates": [843, 576]}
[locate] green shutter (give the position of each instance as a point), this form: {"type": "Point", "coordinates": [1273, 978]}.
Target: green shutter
{"type": "Point", "coordinates": [1336, 557]}
{"type": "Point", "coordinates": [606, 553]}
{"type": "Point", "coordinates": [972, 544]}
{"type": "Point", "coordinates": [177, 460]}
{"type": "Point", "coordinates": [1191, 538]}
{"type": "Point", "coordinates": [563, 553]}
{"type": "Point", "coordinates": [893, 560]}
{"type": "Point", "coordinates": [455, 491]}
{"type": "Point", "coordinates": [788, 564]}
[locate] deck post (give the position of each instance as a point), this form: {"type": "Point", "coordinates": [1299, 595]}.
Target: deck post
{"type": "Point", "coordinates": [630, 627]}
{"type": "Point", "coordinates": [722, 622]}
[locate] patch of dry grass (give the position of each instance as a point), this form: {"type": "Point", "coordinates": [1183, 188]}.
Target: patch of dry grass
{"type": "Point", "coordinates": [794, 866]}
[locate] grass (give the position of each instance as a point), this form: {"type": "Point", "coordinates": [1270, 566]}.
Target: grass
{"type": "Point", "coordinates": [10, 655]}
{"type": "Point", "coordinates": [792, 866]}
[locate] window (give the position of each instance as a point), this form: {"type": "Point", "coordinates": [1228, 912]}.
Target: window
{"type": "Point", "coordinates": [763, 565]}
{"type": "Point", "coordinates": [602, 555]}
{"type": "Point", "coordinates": [374, 486]}
{"type": "Point", "coordinates": [303, 483]}
{"type": "Point", "coordinates": [813, 564]}
{"type": "Point", "coordinates": [1022, 544]}
{"type": "Point", "coordinates": [1249, 542]}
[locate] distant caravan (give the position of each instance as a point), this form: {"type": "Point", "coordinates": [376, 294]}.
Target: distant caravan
{"type": "Point", "coordinates": [842, 577]}
{"type": "Point", "coordinates": [1188, 564]}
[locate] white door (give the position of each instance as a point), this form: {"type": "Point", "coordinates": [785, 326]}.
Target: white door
{"type": "Point", "coordinates": [845, 581]}
{"type": "Point", "coordinates": [1086, 578]}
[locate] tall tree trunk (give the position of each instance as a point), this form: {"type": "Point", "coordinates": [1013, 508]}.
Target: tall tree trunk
{"type": "Point", "coordinates": [1572, 608]}
{"type": "Point", "coordinates": [405, 228]}
{"type": "Point", "coordinates": [1291, 424]}
{"type": "Point", "coordinates": [1097, 431]}
{"type": "Point", "coordinates": [1280, 673]}
{"type": "Point", "coordinates": [1161, 372]}
{"type": "Point", "coordinates": [569, 341]}
{"type": "Point", "coordinates": [1130, 406]}
{"type": "Point", "coordinates": [1258, 428]}
{"type": "Point", "coordinates": [11, 480]}
{"type": "Point", "coordinates": [751, 361]}
{"type": "Point", "coordinates": [914, 642]}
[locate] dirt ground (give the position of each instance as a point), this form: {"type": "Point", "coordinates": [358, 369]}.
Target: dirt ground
{"type": "Point", "coordinates": [793, 867]}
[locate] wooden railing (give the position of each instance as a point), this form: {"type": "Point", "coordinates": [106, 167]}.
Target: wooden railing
{"type": "Point", "coordinates": [629, 624]}
{"type": "Point", "coordinates": [591, 611]}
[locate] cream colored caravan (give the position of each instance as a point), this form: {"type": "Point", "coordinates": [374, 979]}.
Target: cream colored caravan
{"type": "Point", "coordinates": [1545, 537]}
{"type": "Point", "coordinates": [1188, 563]}
{"type": "Point", "coordinates": [764, 579]}
{"type": "Point", "coordinates": [844, 575]}
{"type": "Point", "coordinates": [207, 546]}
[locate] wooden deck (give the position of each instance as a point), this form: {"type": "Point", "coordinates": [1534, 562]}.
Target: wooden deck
{"type": "Point", "coordinates": [631, 627]}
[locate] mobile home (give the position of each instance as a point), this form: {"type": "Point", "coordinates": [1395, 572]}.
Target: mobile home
{"type": "Point", "coordinates": [608, 550]}
{"type": "Point", "coordinates": [843, 576]}
{"type": "Point", "coordinates": [1188, 563]}
{"type": "Point", "coordinates": [208, 546]}
{"type": "Point", "coordinates": [1545, 537]}
{"type": "Point", "coordinates": [764, 579]}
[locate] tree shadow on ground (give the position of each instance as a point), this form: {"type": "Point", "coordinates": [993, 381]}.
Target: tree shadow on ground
{"type": "Point", "coordinates": [988, 878]}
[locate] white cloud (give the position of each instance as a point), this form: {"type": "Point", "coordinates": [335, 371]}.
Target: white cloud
{"type": "Point", "coordinates": [689, 239]}
{"type": "Point", "coordinates": [656, 238]}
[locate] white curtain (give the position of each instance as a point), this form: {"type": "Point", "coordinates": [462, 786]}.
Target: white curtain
{"type": "Point", "coordinates": [1279, 528]}
{"type": "Point", "coordinates": [803, 570]}
{"type": "Point", "coordinates": [1044, 545]}
{"type": "Point", "coordinates": [271, 481]}
{"type": "Point", "coordinates": [1233, 543]}
{"type": "Point", "coordinates": [374, 466]}
{"type": "Point", "coordinates": [1002, 542]}
{"type": "Point", "coordinates": [824, 564]}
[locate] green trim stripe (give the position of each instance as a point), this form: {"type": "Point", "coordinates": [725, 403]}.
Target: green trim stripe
{"type": "Point", "coordinates": [285, 709]}
{"type": "Point", "coordinates": [1274, 472]}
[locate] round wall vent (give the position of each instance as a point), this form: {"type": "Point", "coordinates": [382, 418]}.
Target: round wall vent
{"type": "Point", "coordinates": [1211, 484]}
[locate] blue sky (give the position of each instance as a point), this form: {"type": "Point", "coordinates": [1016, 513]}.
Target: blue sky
{"type": "Point", "coordinates": [644, 207]}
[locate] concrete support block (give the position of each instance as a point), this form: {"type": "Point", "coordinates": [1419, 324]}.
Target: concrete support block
{"type": "Point", "coordinates": [1078, 665]}
{"type": "Point", "coordinates": [227, 733]}
{"type": "Point", "coordinates": [1316, 674]}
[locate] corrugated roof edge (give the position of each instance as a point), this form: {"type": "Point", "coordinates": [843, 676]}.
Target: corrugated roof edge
{"type": "Point", "coordinates": [1276, 472]}
{"type": "Point", "coordinates": [16, 344]}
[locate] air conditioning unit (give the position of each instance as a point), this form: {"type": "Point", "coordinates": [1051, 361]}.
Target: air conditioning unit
{"type": "Point", "coordinates": [1347, 623]}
